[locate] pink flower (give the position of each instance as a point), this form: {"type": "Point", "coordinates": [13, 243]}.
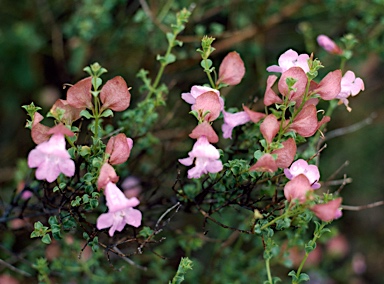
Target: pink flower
{"type": "Point", "coordinates": [119, 148]}
{"type": "Point", "coordinates": [231, 120]}
{"type": "Point", "coordinates": [206, 158]}
{"type": "Point", "coordinates": [131, 187]}
{"type": "Point", "coordinates": [329, 45]}
{"type": "Point", "coordinates": [208, 106]}
{"type": "Point", "coordinates": [350, 86]}
{"type": "Point", "coordinates": [301, 167]}
{"type": "Point", "coordinates": [51, 158]}
{"type": "Point", "coordinates": [197, 91]}
{"type": "Point", "coordinates": [231, 69]}
{"type": "Point", "coordinates": [328, 211]}
{"type": "Point", "coordinates": [297, 188]}
{"type": "Point", "coordinates": [120, 211]}
{"type": "Point", "coordinates": [289, 59]}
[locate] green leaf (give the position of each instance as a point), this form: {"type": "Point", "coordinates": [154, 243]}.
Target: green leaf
{"type": "Point", "coordinates": [170, 37]}
{"type": "Point", "coordinates": [96, 82]}
{"type": "Point", "coordinates": [46, 239]}
{"type": "Point", "coordinates": [85, 151]}
{"type": "Point", "coordinates": [258, 154]}
{"type": "Point", "coordinates": [206, 64]}
{"type": "Point", "coordinates": [53, 220]}
{"type": "Point", "coordinates": [310, 247]}
{"type": "Point", "coordinates": [38, 225]}
{"type": "Point", "coordinates": [170, 58]}
{"type": "Point", "coordinates": [146, 232]}
{"type": "Point", "coordinates": [107, 113]}
{"type": "Point", "coordinates": [303, 277]}
{"type": "Point", "coordinates": [85, 113]}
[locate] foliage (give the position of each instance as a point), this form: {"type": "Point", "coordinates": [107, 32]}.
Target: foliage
{"type": "Point", "coordinates": [233, 225]}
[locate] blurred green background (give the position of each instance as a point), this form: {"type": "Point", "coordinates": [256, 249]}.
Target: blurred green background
{"type": "Point", "coordinates": [45, 44]}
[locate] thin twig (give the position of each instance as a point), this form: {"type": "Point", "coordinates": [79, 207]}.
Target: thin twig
{"type": "Point", "coordinates": [13, 268]}
{"type": "Point", "coordinates": [178, 205]}
{"type": "Point", "coordinates": [351, 128]}
{"type": "Point", "coordinates": [130, 261]}
{"type": "Point", "coordinates": [363, 207]}
{"type": "Point", "coordinates": [343, 181]}
{"type": "Point", "coordinates": [346, 163]}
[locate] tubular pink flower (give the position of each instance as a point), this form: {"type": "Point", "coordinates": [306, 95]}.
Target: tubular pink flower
{"type": "Point", "coordinates": [297, 188]}
{"type": "Point", "coordinates": [51, 158]}
{"type": "Point", "coordinates": [231, 120]}
{"type": "Point", "coordinates": [301, 167]}
{"type": "Point", "coordinates": [206, 158]}
{"type": "Point", "coordinates": [120, 211]}
{"type": "Point", "coordinates": [328, 211]}
{"type": "Point", "coordinates": [231, 69]}
{"type": "Point", "coordinates": [329, 45]}
{"type": "Point", "coordinates": [289, 59]}
{"type": "Point", "coordinates": [350, 86]}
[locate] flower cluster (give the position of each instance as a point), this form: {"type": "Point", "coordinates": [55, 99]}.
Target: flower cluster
{"type": "Point", "coordinates": [51, 158]}
{"type": "Point", "coordinates": [206, 106]}
{"type": "Point", "coordinates": [291, 112]}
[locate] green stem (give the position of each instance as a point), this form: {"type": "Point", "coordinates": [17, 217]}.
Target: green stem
{"type": "Point", "coordinates": [301, 267]}
{"type": "Point", "coordinates": [316, 236]}
{"type": "Point", "coordinates": [267, 266]}
{"type": "Point", "coordinates": [342, 63]}
{"type": "Point", "coordinates": [162, 67]}
{"type": "Point", "coordinates": [96, 115]}
{"type": "Point", "coordinates": [213, 85]}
